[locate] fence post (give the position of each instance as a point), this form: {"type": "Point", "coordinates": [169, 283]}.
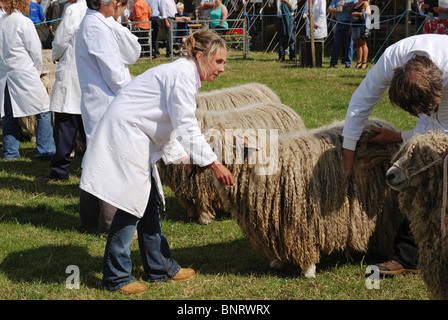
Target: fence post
{"type": "Point", "coordinates": [246, 36]}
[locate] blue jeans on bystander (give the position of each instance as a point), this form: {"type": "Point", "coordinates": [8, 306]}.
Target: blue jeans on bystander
{"type": "Point", "coordinates": [45, 146]}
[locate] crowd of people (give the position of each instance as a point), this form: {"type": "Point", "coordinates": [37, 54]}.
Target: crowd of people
{"type": "Point", "coordinates": [127, 123]}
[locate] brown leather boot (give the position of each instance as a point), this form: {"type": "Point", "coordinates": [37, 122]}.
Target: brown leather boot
{"type": "Point", "coordinates": [393, 267]}
{"type": "Point", "coordinates": [133, 288]}
{"type": "Point", "coordinates": [184, 274]}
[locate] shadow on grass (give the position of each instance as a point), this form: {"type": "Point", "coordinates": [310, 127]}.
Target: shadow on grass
{"type": "Point", "coordinates": [48, 264]}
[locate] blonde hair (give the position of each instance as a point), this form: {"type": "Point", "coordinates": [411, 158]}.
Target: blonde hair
{"type": "Point", "coordinates": [22, 6]}
{"type": "Point", "coordinates": [179, 5]}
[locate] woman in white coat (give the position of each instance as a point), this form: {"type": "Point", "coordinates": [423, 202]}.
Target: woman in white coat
{"type": "Point", "coordinates": [319, 19]}
{"type": "Point", "coordinates": [135, 132]}
{"type": "Point", "coordinates": [22, 93]}
{"type": "Point", "coordinates": [102, 70]}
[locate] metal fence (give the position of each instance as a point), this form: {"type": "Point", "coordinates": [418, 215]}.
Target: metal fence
{"type": "Point", "coordinates": [236, 36]}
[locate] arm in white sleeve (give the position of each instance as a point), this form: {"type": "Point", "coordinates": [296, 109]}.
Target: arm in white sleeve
{"type": "Point", "coordinates": [65, 32]}
{"type": "Point", "coordinates": [181, 107]}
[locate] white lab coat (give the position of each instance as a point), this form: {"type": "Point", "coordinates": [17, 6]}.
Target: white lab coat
{"type": "Point", "coordinates": [128, 44]}
{"type": "Point", "coordinates": [135, 132]}
{"type": "Point", "coordinates": [100, 71]}
{"type": "Point", "coordinates": [66, 95]}
{"type": "Point", "coordinates": [319, 18]}
{"type": "Point", "coordinates": [21, 66]}
{"type": "Point", "coordinates": [378, 80]}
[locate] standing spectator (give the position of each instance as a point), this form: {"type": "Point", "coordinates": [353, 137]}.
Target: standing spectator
{"type": "Point", "coordinates": [206, 7]}
{"type": "Point", "coordinates": [286, 31]}
{"type": "Point", "coordinates": [218, 17]}
{"type": "Point", "coordinates": [66, 96]}
{"type": "Point", "coordinates": [102, 74]}
{"type": "Point", "coordinates": [155, 25]}
{"type": "Point", "coordinates": [341, 32]}
{"type": "Point", "coordinates": [439, 23]}
{"type": "Point", "coordinates": [319, 18]}
{"type": "Point", "coordinates": [181, 25]}
{"type": "Point", "coordinates": [168, 11]}
{"type": "Point", "coordinates": [52, 14]}
{"type": "Point", "coordinates": [135, 131]}
{"type": "Point", "coordinates": [360, 17]}
{"type": "Point", "coordinates": [22, 93]}
{"type": "Point", "coordinates": [36, 12]}
{"type": "Point", "coordinates": [141, 13]}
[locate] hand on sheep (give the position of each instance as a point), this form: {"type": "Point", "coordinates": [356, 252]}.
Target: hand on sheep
{"type": "Point", "coordinates": [386, 136]}
{"type": "Point", "coordinates": [221, 173]}
{"type": "Point", "coordinates": [348, 157]}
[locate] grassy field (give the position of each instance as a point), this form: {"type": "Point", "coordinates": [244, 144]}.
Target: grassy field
{"type": "Point", "coordinates": [39, 235]}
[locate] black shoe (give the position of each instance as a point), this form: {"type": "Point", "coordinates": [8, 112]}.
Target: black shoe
{"type": "Point", "coordinates": [44, 157]}
{"type": "Point", "coordinates": [332, 66]}
{"type": "Point", "coordinates": [281, 59]}
{"type": "Point", "coordinates": [347, 66]}
{"type": "Point", "coordinates": [50, 176]}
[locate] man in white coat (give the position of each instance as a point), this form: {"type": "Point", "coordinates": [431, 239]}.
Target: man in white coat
{"type": "Point", "coordinates": [22, 93]}
{"type": "Point", "coordinates": [143, 124]}
{"type": "Point", "coordinates": [66, 96]}
{"type": "Point", "coordinates": [415, 70]}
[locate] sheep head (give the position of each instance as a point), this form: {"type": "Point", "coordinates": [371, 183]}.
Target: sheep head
{"type": "Point", "coordinates": [413, 158]}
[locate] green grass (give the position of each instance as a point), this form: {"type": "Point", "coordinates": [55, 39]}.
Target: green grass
{"type": "Point", "coordinates": [39, 235]}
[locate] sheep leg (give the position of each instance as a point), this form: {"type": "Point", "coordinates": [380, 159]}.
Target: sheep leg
{"type": "Point", "coordinates": [310, 272]}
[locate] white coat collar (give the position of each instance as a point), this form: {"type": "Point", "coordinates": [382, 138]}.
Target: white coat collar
{"type": "Point", "coordinates": [198, 77]}
{"type": "Point", "coordinates": [98, 15]}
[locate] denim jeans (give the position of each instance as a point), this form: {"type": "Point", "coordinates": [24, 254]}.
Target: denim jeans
{"type": "Point", "coordinates": [44, 136]}
{"type": "Point", "coordinates": [10, 128]}
{"type": "Point", "coordinates": [154, 249]}
{"type": "Point", "coordinates": [342, 36]}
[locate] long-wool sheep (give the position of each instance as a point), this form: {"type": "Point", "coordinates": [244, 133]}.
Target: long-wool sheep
{"type": "Point", "coordinates": [199, 196]}
{"type": "Point", "coordinates": [227, 98]}
{"type": "Point", "coordinates": [420, 199]}
{"type": "Point", "coordinates": [308, 206]}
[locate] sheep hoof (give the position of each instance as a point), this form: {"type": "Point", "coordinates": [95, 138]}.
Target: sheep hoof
{"type": "Point", "coordinates": [310, 272]}
{"type": "Point", "coordinates": [276, 264]}
{"type": "Point", "coordinates": [204, 221]}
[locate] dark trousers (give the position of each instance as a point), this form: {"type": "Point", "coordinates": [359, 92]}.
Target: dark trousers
{"type": "Point", "coordinates": [405, 248]}
{"type": "Point", "coordinates": [95, 213]}
{"type": "Point", "coordinates": [65, 130]}
{"type": "Point", "coordinates": [155, 25]}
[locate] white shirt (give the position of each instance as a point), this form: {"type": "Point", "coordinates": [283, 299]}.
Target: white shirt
{"type": "Point", "coordinates": [100, 69]}
{"type": "Point", "coordinates": [378, 80]}
{"type": "Point", "coordinates": [319, 18]}
{"type": "Point", "coordinates": [21, 68]}
{"type": "Point", "coordinates": [292, 9]}
{"type": "Point", "coordinates": [136, 130]}
{"type": "Point", "coordinates": [167, 9]}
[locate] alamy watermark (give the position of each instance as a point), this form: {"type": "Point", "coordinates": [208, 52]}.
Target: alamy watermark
{"type": "Point", "coordinates": [373, 280]}
{"type": "Point", "coordinates": [72, 281]}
